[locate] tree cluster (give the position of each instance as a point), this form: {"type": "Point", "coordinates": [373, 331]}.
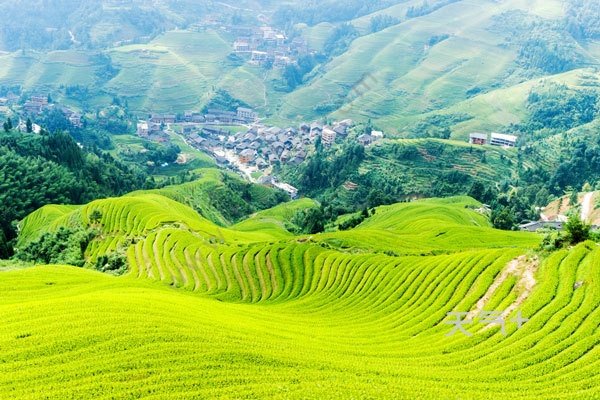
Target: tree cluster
{"type": "Point", "coordinates": [53, 169]}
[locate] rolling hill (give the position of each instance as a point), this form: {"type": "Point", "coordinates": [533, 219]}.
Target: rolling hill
{"type": "Point", "coordinates": [209, 312]}
{"type": "Point", "coordinates": [465, 63]}
{"type": "Point", "coordinates": [434, 63]}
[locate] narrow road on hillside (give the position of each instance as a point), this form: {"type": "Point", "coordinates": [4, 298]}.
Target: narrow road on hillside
{"type": "Point", "coordinates": [587, 206]}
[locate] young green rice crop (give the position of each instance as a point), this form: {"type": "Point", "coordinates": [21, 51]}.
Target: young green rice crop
{"type": "Point", "coordinates": [256, 316]}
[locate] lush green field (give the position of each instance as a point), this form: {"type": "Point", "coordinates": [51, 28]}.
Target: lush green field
{"type": "Point", "coordinates": [276, 220]}
{"type": "Point", "coordinates": [209, 312]}
{"type": "Point", "coordinates": [262, 316]}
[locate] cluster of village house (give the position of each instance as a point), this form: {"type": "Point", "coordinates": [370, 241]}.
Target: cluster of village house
{"type": "Point", "coordinates": [267, 45]}
{"type": "Point", "coordinates": [259, 146]}
{"type": "Point", "coordinates": [497, 139]}
{"type": "Point", "coordinates": [263, 146]}
{"type": "Point", "coordinates": [37, 105]}
{"type": "Point", "coordinates": [152, 129]}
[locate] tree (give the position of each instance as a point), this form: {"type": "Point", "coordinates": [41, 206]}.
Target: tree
{"type": "Point", "coordinates": [29, 126]}
{"type": "Point", "coordinates": [577, 230]}
{"type": "Point", "coordinates": [477, 191]}
{"type": "Point", "coordinates": [310, 221]}
{"type": "Point", "coordinates": [365, 213]}
{"type": "Point", "coordinates": [6, 127]}
{"type": "Point", "coordinates": [95, 216]}
{"type": "Point", "coordinates": [314, 221]}
{"type": "Point", "coordinates": [9, 123]}
{"type": "Point", "coordinates": [5, 248]}
{"type": "Point", "coordinates": [375, 198]}
{"type": "Point", "coordinates": [574, 199]}
{"type": "Point", "coordinates": [504, 220]}
{"type": "Point", "coordinates": [587, 187]}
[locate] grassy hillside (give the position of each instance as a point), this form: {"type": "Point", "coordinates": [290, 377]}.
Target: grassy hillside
{"type": "Point", "coordinates": [463, 61]}
{"type": "Point", "coordinates": [278, 220]}
{"type": "Point", "coordinates": [431, 226]}
{"type": "Point", "coordinates": [295, 318]}
{"type": "Point", "coordinates": [218, 198]}
{"type": "Point", "coordinates": [418, 162]}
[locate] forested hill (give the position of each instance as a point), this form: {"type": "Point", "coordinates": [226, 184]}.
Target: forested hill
{"type": "Point", "coordinates": [51, 168]}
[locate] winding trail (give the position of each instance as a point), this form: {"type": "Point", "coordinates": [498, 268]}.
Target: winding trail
{"type": "Point", "coordinates": [261, 278]}
{"type": "Point", "coordinates": [147, 261]}
{"type": "Point", "coordinates": [156, 259]}
{"type": "Point", "coordinates": [223, 265]}
{"type": "Point", "coordinates": [203, 271]}
{"type": "Point", "coordinates": [238, 276]}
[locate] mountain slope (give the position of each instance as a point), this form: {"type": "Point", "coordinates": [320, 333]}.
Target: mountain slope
{"type": "Point", "coordinates": [425, 63]}
{"type": "Point", "coordinates": [320, 324]}
{"type": "Point", "coordinates": [455, 58]}
{"type": "Point", "coordinates": [211, 312]}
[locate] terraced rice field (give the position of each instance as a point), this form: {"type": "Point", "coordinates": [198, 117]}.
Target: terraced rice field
{"type": "Point", "coordinates": [253, 316]}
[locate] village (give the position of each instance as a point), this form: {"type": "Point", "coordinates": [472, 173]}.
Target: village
{"type": "Point", "coordinates": [256, 151]}
{"type": "Point", "coordinates": [268, 47]}
{"type": "Point", "coordinates": [34, 106]}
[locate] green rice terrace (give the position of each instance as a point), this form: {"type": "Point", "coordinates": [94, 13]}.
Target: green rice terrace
{"type": "Point", "coordinates": [253, 311]}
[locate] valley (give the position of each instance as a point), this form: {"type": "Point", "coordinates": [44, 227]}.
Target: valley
{"type": "Point", "coordinates": [362, 199]}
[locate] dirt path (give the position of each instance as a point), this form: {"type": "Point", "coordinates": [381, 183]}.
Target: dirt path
{"type": "Point", "coordinates": [521, 267]}
{"type": "Point", "coordinates": [238, 276]}
{"type": "Point", "coordinates": [156, 260]}
{"type": "Point", "coordinates": [191, 267]}
{"type": "Point", "coordinates": [587, 206]}
{"type": "Point", "coordinates": [167, 264]}
{"type": "Point", "coordinates": [147, 261]}
{"type": "Point", "coordinates": [227, 278]}
{"type": "Point", "coordinates": [138, 261]}
{"type": "Point", "coordinates": [233, 7]}
{"type": "Point", "coordinates": [249, 276]}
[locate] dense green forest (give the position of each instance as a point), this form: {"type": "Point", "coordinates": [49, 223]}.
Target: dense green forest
{"type": "Point", "coordinates": [95, 132]}
{"type": "Point", "coordinates": [583, 19]}
{"type": "Point", "coordinates": [543, 45]}
{"type": "Point", "coordinates": [553, 108]}
{"type": "Point", "coordinates": [397, 172]}
{"type": "Point", "coordinates": [52, 169]}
